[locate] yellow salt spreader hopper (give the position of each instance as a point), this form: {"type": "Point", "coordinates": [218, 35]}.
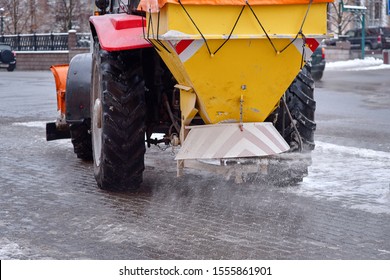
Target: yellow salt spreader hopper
{"type": "Point", "coordinates": [243, 86]}
{"type": "Point", "coordinates": [233, 61]}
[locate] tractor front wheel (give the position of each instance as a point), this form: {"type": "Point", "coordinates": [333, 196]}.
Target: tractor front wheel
{"type": "Point", "coordinates": [118, 113]}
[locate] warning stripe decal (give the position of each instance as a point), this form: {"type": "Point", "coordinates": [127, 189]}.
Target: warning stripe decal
{"type": "Point", "coordinates": [271, 135]}
{"type": "Point", "coordinates": [310, 46]}
{"type": "Point", "coordinates": [182, 45]}
{"type": "Point", "coordinates": [312, 43]}
{"type": "Point", "coordinates": [249, 141]}
{"type": "Point", "coordinates": [186, 48]}
{"type": "Point", "coordinates": [228, 141]}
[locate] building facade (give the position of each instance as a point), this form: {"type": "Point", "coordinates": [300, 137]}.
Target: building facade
{"type": "Point", "coordinates": [376, 15]}
{"type": "Point", "coordinates": [376, 12]}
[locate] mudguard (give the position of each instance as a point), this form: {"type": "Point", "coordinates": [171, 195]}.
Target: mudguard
{"type": "Point", "coordinates": [118, 32]}
{"type": "Point", "coordinates": [78, 84]}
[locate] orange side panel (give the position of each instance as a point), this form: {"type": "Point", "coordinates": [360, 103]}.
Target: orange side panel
{"type": "Point", "coordinates": [60, 73]}
{"type": "Point", "coordinates": [145, 3]}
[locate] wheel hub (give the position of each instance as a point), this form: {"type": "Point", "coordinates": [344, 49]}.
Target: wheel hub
{"type": "Point", "coordinates": [97, 130]}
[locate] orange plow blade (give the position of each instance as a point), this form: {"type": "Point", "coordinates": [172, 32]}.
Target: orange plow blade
{"type": "Point", "coordinates": [60, 73]}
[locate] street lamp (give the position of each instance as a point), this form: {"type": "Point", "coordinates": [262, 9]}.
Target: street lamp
{"type": "Point", "coordinates": [2, 23]}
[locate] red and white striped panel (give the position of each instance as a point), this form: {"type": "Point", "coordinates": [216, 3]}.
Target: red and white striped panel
{"type": "Point", "coordinates": [310, 46]}
{"type": "Point", "coordinates": [186, 48]}
{"type": "Point", "coordinates": [228, 141]}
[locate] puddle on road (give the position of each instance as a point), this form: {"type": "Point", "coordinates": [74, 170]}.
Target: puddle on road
{"type": "Point", "coordinates": [358, 178]}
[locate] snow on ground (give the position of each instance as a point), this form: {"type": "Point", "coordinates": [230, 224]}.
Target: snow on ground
{"type": "Point", "coordinates": [358, 178]}
{"type": "Point", "coordinates": [38, 124]}
{"type": "Point", "coordinates": [369, 63]}
{"type": "Point", "coordinates": [9, 249]}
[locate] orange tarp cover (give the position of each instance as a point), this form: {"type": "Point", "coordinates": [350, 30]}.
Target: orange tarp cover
{"type": "Point", "coordinates": [147, 3]}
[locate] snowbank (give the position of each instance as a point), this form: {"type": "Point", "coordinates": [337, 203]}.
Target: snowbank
{"type": "Point", "coordinates": [369, 63]}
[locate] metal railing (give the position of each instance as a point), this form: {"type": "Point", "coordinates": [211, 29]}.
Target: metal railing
{"type": "Point", "coordinates": [44, 42]}
{"type": "Point", "coordinates": [83, 40]}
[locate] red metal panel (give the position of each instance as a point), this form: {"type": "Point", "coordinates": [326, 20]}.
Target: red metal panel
{"type": "Point", "coordinates": [120, 31]}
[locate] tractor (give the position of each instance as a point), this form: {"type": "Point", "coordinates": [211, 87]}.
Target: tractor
{"type": "Point", "coordinates": [222, 79]}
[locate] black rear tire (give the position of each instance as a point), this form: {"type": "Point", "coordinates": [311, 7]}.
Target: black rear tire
{"type": "Point", "coordinates": [317, 76]}
{"type": "Point", "coordinates": [81, 139]}
{"type": "Point", "coordinates": [301, 104]}
{"type": "Point", "coordinates": [118, 116]}
{"type": "Point", "coordinates": [7, 56]}
{"type": "Point", "coordinates": [11, 67]}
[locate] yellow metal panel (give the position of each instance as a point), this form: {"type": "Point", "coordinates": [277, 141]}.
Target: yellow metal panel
{"type": "Point", "coordinates": [247, 67]}
{"type": "Point", "coordinates": [188, 111]}
{"type": "Point", "coordinates": [215, 20]}
{"type": "Point", "coordinates": [145, 5]}
{"type": "Point", "coordinates": [257, 73]}
{"type": "Point", "coordinates": [187, 106]}
{"type": "Point", "coordinates": [179, 71]}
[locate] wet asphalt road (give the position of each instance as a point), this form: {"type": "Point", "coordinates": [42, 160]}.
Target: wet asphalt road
{"type": "Point", "coordinates": [50, 207]}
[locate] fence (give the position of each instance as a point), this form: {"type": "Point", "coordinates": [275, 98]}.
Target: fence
{"type": "Point", "coordinates": [40, 51]}
{"type": "Point", "coordinates": [46, 42]}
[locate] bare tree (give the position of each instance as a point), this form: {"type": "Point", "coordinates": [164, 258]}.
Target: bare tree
{"type": "Point", "coordinates": [33, 16]}
{"type": "Point", "coordinates": [39, 16]}
{"type": "Point", "coordinates": [15, 16]}
{"type": "Point", "coordinates": [65, 13]}
{"type": "Point", "coordinates": [71, 14]}
{"type": "Point", "coordinates": [338, 21]}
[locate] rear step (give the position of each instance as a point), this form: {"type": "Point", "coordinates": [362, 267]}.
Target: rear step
{"type": "Point", "coordinates": [53, 132]}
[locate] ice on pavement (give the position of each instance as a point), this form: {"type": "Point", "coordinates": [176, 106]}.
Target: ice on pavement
{"type": "Point", "coordinates": [369, 63]}
{"type": "Point", "coordinates": [357, 178]}
{"type": "Point", "coordinates": [38, 124]}
{"type": "Point", "coordinates": [9, 249]}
